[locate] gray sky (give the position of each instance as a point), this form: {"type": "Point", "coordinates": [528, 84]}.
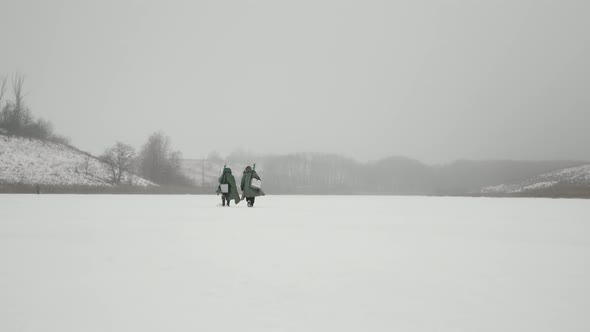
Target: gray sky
{"type": "Point", "coordinates": [433, 80]}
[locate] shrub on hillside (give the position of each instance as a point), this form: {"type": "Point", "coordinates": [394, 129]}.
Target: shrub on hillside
{"type": "Point", "coordinates": [16, 118]}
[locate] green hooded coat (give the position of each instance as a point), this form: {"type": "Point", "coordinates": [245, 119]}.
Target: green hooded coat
{"type": "Point", "coordinates": [247, 190]}
{"type": "Point", "coordinates": [228, 178]}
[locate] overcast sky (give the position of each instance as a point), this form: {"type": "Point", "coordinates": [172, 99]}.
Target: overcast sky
{"type": "Point", "coordinates": [434, 80]}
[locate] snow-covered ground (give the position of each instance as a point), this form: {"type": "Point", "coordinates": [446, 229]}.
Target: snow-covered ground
{"type": "Point", "coordinates": [579, 175]}
{"type": "Point", "coordinates": [31, 161]}
{"type": "Point", "coordinates": [183, 263]}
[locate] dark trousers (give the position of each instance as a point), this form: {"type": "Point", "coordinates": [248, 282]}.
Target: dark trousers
{"type": "Point", "coordinates": [224, 197]}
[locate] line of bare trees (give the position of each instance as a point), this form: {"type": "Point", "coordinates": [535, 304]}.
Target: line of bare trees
{"type": "Point", "coordinates": [16, 118]}
{"type": "Point", "coordinates": [317, 173]}
{"type": "Point", "coordinates": [156, 161]}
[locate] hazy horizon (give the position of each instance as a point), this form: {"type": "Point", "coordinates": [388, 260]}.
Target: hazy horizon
{"type": "Point", "coordinates": [431, 81]}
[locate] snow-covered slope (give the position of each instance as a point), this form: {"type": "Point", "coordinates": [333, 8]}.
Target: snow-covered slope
{"type": "Point", "coordinates": [574, 175]}
{"type": "Point", "coordinates": [31, 161]}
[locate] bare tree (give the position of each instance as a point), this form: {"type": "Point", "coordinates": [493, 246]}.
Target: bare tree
{"type": "Point", "coordinates": [153, 156]}
{"type": "Point", "coordinates": [15, 116]}
{"type": "Point", "coordinates": [3, 81]}
{"type": "Point", "coordinates": [17, 119]}
{"type": "Point", "coordinates": [17, 87]}
{"type": "Point", "coordinates": [20, 113]}
{"type": "Point", "coordinates": [158, 163]}
{"type": "Point", "coordinates": [3, 111]}
{"type": "Point", "coordinates": [120, 160]}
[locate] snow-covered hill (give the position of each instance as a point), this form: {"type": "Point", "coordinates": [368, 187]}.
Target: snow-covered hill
{"type": "Point", "coordinates": [30, 161]}
{"type": "Point", "coordinates": [572, 176]}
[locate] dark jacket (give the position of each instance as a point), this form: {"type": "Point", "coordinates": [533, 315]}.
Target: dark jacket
{"type": "Point", "coordinates": [228, 178]}
{"type": "Point", "coordinates": [247, 177]}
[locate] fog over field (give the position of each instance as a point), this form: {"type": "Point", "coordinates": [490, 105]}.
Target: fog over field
{"type": "Point", "coordinates": [430, 80]}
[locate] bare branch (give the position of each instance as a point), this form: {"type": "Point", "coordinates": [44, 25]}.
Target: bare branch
{"type": "Point", "coordinates": [120, 160]}
{"type": "Point", "coordinates": [3, 81]}
{"type": "Point", "coordinates": [18, 81]}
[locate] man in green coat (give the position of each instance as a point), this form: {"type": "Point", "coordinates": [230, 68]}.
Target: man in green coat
{"type": "Point", "coordinates": [228, 178]}
{"type": "Point", "coordinates": [247, 190]}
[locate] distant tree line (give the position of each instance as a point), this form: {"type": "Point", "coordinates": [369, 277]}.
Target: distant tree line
{"type": "Point", "coordinates": [300, 173]}
{"type": "Point", "coordinates": [156, 161]}
{"type": "Point", "coordinates": [315, 173]}
{"type": "Point", "coordinates": [16, 118]}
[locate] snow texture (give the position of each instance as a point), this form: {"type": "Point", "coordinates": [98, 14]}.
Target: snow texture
{"type": "Point", "coordinates": [293, 263]}
{"type": "Point", "coordinates": [31, 161]}
{"type": "Point", "coordinates": [574, 175]}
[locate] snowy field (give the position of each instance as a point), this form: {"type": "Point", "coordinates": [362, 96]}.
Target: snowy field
{"type": "Point", "coordinates": [184, 263]}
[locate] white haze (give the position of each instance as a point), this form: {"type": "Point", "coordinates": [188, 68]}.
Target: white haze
{"type": "Point", "coordinates": [426, 79]}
